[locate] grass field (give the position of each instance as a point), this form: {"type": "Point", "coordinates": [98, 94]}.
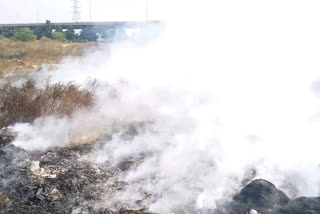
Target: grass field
{"type": "Point", "coordinates": [24, 57]}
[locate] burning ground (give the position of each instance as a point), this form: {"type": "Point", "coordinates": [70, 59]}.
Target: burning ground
{"type": "Point", "coordinates": [60, 152]}
{"type": "Point", "coordinates": [189, 122]}
{"type": "Point", "coordinates": [56, 181]}
{"type": "Point", "coordinates": [114, 167]}
{"type": "Point", "coordinates": [59, 180]}
{"type": "Point", "coordinates": [136, 146]}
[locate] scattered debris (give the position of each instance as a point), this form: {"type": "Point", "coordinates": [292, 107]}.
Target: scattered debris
{"type": "Point", "coordinates": [35, 167]}
{"type": "Point", "coordinates": [61, 181]}
{"type": "Point", "coordinates": [56, 194]}
{"type": "Point", "coordinates": [54, 181]}
{"type": "Point", "coordinates": [37, 171]}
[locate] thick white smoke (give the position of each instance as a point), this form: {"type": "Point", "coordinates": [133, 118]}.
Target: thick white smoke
{"type": "Point", "coordinates": [230, 86]}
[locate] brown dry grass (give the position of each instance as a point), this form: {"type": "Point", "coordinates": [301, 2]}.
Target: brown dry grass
{"type": "Point", "coordinates": [17, 56]}
{"type": "Point", "coordinates": [28, 102]}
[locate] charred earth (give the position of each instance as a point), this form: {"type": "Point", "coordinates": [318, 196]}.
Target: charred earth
{"type": "Point", "coordinates": [59, 181]}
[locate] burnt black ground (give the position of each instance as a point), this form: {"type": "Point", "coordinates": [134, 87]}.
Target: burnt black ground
{"type": "Point", "coordinates": [55, 181]}
{"type": "Point", "coordinates": [59, 181]}
{"type": "Point", "coordinates": [264, 197]}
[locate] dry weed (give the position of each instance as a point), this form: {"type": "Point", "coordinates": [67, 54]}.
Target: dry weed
{"type": "Point", "coordinates": [29, 56]}
{"type": "Point", "coordinates": [28, 102]}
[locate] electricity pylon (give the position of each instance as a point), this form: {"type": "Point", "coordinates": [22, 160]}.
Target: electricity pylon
{"type": "Point", "coordinates": [76, 11]}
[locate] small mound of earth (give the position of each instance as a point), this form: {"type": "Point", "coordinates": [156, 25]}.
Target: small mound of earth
{"type": "Point", "coordinates": [261, 196]}
{"type": "Point", "coordinates": [262, 193]}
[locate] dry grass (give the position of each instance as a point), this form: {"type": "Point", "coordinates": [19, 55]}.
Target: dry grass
{"type": "Point", "coordinates": [28, 102]}
{"type": "Point", "coordinates": [17, 56]}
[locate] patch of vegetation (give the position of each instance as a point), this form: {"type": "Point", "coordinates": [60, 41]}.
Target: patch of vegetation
{"type": "Point", "coordinates": [18, 56]}
{"type": "Point", "coordinates": [60, 36]}
{"type": "Point", "coordinates": [45, 31]}
{"type": "Point", "coordinates": [24, 34]}
{"type": "Point", "coordinates": [2, 37]}
{"type": "Point", "coordinates": [71, 35]}
{"type": "Point", "coordinates": [88, 35]}
{"type": "Point", "coordinates": [27, 102]}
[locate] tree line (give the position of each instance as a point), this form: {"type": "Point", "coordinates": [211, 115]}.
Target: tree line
{"type": "Point", "coordinates": [26, 34]}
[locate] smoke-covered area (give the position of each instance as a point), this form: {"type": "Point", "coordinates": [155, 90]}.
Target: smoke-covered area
{"type": "Point", "coordinates": [228, 92]}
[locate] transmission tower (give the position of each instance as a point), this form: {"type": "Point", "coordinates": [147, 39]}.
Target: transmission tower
{"type": "Point", "coordinates": [76, 11]}
{"type": "Point", "coordinates": [90, 11]}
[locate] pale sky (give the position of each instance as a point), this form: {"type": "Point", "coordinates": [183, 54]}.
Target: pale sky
{"type": "Point", "coordinates": [25, 11]}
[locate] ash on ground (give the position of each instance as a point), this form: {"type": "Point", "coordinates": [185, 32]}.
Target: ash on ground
{"type": "Point", "coordinates": [60, 181]}
{"type": "Point", "coordinates": [55, 181]}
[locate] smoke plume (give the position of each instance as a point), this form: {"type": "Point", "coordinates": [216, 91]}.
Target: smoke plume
{"type": "Point", "coordinates": [229, 87]}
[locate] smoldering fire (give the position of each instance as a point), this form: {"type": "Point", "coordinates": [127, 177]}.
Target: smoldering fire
{"type": "Point", "coordinates": [216, 102]}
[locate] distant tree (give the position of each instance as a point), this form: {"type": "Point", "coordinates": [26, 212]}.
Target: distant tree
{"type": "Point", "coordinates": [60, 36]}
{"type": "Point", "coordinates": [120, 34]}
{"type": "Point", "coordinates": [88, 35]}
{"type": "Point", "coordinates": [45, 31]}
{"type": "Point", "coordinates": [70, 34]}
{"type": "Point", "coordinates": [24, 34]}
{"type": "Point", "coordinates": [108, 35]}
{"type": "Point", "coordinates": [59, 28]}
{"type": "Point", "coordinates": [8, 33]}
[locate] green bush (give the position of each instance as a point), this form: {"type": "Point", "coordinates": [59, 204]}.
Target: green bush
{"type": "Point", "coordinates": [2, 37]}
{"type": "Point", "coordinates": [88, 35]}
{"type": "Point", "coordinates": [24, 34]}
{"type": "Point", "coordinates": [71, 35]}
{"type": "Point", "coordinates": [60, 36]}
{"type": "Point", "coordinates": [44, 31]}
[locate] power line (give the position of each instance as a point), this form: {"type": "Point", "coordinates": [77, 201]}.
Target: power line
{"type": "Point", "coordinates": [76, 11]}
{"type": "Point", "coordinates": [37, 15]}
{"type": "Point", "coordinates": [147, 11]}
{"type": "Point", "coordinates": [90, 11]}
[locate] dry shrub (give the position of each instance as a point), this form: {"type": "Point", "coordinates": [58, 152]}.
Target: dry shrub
{"type": "Point", "coordinates": [44, 48]}
{"type": "Point", "coordinates": [16, 66]}
{"type": "Point", "coordinates": [53, 51]}
{"type": "Point", "coordinates": [12, 49]}
{"type": "Point", "coordinates": [35, 53]}
{"type": "Point", "coordinates": [28, 102]}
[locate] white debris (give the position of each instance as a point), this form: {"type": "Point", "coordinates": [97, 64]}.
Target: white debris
{"type": "Point", "coordinates": [56, 194]}
{"type": "Point", "coordinates": [35, 167]}
{"type": "Point", "coordinates": [36, 170]}
{"type": "Point", "coordinates": [253, 212]}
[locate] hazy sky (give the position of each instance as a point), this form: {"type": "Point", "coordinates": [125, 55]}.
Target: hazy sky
{"type": "Point", "coordinates": [19, 11]}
